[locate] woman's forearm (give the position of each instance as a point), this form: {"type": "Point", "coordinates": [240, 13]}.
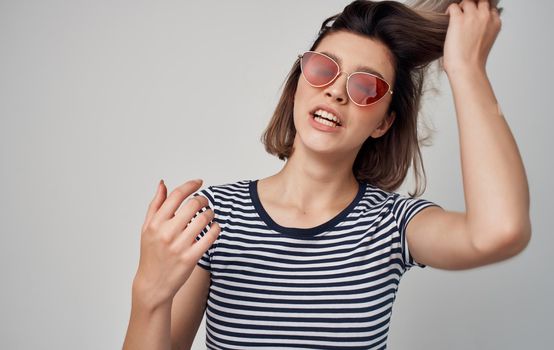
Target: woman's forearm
{"type": "Point", "coordinates": [495, 184]}
{"type": "Point", "coordinates": [149, 325]}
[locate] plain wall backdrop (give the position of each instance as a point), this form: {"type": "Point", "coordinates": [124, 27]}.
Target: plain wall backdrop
{"type": "Point", "coordinates": [101, 99]}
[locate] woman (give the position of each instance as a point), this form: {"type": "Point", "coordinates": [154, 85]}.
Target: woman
{"type": "Point", "coordinates": [311, 257]}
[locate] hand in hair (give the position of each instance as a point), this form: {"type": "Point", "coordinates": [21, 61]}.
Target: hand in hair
{"type": "Point", "coordinates": [472, 29]}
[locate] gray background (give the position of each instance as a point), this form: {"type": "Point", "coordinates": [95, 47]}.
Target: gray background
{"type": "Point", "coordinates": [99, 100]}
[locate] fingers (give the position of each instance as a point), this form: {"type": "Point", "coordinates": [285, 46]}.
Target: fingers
{"type": "Point", "coordinates": [187, 237]}
{"type": "Point", "coordinates": [197, 225]}
{"type": "Point", "coordinates": [185, 216]}
{"type": "Point", "coordinates": [472, 7]}
{"type": "Point", "coordinates": [159, 197]}
{"type": "Point", "coordinates": [174, 200]}
{"type": "Point", "coordinates": [483, 5]}
{"type": "Point", "coordinates": [496, 17]}
{"type": "Point", "coordinates": [186, 212]}
{"type": "Point", "coordinates": [468, 6]}
{"type": "Point", "coordinates": [453, 9]}
{"type": "Point", "coordinates": [204, 243]}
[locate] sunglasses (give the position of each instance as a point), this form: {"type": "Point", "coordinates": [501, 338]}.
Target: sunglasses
{"type": "Point", "coordinates": [363, 88]}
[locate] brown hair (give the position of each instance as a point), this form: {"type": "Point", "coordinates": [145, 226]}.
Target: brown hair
{"type": "Point", "coordinates": [415, 34]}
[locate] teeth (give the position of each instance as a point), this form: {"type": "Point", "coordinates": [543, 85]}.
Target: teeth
{"type": "Point", "coordinates": [327, 115]}
{"type": "Point", "coordinates": [325, 122]}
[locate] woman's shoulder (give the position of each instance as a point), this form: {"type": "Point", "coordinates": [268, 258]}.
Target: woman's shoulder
{"type": "Point", "coordinates": [394, 195]}
{"type": "Point", "coordinates": [378, 194]}
{"type": "Point", "coordinates": [232, 185]}
{"type": "Point", "coordinates": [226, 191]}
{"type": "Point", "coordinates": [392, 200]}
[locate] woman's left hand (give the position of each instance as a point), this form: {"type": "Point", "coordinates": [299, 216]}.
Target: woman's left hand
{"type": "Point", "coordinates": [472, 29]}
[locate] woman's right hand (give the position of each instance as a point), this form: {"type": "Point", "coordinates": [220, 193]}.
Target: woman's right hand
{"type": "Point", "coordinates": [168, 247]}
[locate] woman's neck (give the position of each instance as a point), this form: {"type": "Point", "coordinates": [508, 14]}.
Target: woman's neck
{"type": "Point", "coordinates": [309, 182]}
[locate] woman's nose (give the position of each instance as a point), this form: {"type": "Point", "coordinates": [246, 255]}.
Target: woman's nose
{"type": "Point", "coordinates": [337, 89]}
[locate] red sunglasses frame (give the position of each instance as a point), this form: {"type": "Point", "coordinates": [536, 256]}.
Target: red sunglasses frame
{"type": "Point", "coordinates": [339, 72]}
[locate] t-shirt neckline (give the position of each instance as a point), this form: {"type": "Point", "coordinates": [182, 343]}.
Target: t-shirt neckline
{"type": "Point", "coordinates": [296, 231]}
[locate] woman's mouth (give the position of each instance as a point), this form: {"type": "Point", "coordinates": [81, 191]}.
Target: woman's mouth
{"type": "Point", "coordinates": [322, 124]}
{"type": "Point", "coordinates": [326, 118]}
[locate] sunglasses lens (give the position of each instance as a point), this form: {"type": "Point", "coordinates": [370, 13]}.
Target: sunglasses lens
{"type": "Point", "coordinates": [365, 89]}
{"type": "Point", "coordinates": [318, 69]}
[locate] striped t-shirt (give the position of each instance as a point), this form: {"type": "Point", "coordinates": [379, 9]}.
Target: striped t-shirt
{"type": "Point", "coordinates": [327, 287]}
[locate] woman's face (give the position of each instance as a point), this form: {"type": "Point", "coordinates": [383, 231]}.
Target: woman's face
{"type": "Point", "coordinates": [358, 123]}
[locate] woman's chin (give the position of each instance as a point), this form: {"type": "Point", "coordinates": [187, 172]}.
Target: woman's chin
{"type": "Point", "coordinates": [320, 145]}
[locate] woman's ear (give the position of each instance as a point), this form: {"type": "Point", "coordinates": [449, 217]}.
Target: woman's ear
{"type": "Point", "coordinates": [384, 125]}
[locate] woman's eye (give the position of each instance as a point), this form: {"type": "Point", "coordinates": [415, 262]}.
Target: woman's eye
{"type": "Point", "coordinates": [325, 72]}
{"type": "Point", "coordinates": [367, 90]}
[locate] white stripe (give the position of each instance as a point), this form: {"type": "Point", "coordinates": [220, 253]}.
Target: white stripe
{"type": "Point", "coordinates": [346, 325]}
{"type": "Point", "coordinates": [294, 341]}
{"type": "Point", "coordinates": [342, 334]}
{"type": "Point", "coordinates": [260, 294]}
{"type": "Point", "coordinates": [312, 288]}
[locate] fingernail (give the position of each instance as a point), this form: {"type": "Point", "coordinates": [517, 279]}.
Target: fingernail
{"type": "Point", "coordinates": [197, 180]}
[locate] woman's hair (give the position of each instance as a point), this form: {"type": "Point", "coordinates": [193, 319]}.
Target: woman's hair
{"type": "Point", "coordinates": [414, 33]}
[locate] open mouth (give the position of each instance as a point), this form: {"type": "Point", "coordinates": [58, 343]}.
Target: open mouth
{"type": "Point", "coordinates": [325, 118]}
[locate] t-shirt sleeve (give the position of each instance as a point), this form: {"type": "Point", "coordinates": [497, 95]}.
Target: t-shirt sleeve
{"type": "Point", "coordinates": [404, 209]}
{"type": "Point", "coordinates": [205, 260]}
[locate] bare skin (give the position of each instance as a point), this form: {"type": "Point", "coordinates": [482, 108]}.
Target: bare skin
{"type": "Point", "coordinates": [496, 224]}
{"type": "Point", "coordinates": [169, 253]}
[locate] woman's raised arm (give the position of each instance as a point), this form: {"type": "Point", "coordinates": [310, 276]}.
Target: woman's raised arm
{"type": "Point", "coordinates": [496, 224]}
